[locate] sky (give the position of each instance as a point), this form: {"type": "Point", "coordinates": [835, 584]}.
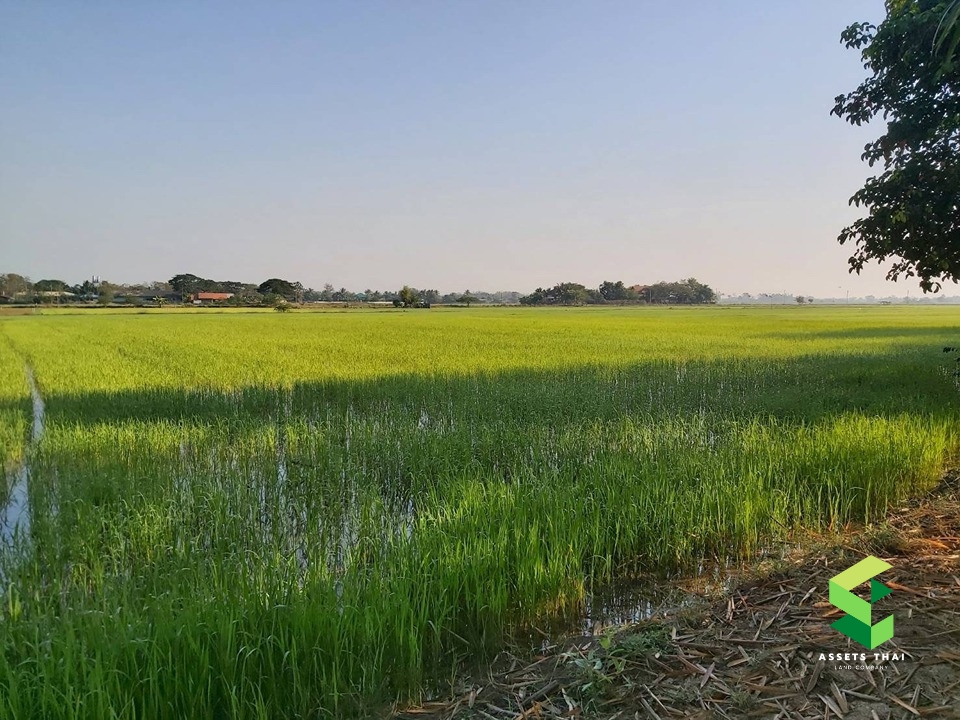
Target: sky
{"type": "Point", "coordinates": [437, 143]}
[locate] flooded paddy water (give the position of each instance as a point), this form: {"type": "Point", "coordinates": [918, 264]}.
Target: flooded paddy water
{"type": "Point", "coordinates": [15, 514]}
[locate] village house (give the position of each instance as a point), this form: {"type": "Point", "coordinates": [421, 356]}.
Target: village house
{"type": "Point", "coordinates": [202, 298]}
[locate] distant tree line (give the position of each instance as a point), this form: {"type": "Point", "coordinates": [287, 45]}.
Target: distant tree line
{"type": "Point", "coordinates": [19, 289]}
{"type": "Point", "coordinates": [187, 288]}
{"type": "Point", "coordinates": [683, 292]}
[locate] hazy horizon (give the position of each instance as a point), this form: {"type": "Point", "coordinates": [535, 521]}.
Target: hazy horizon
{"type": "Point", "coordinates": [497, 146]}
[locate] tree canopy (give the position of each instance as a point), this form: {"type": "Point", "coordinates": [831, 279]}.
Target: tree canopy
{"type": "Point", "coordinates": [616, 291]}
{"type": "Point", "coordinates": [408, 296]}
{"type": "Point", "coordinates": [914, 204]}
{"type": "Point", "coordinates": [12, 284]}
{"type": "Point", "coordinates": [283, 288]}
{"type": "Point", "coordinates": [50, 286]}
{"type": "Point", "coordinates": [560, 294]}
{"type": "Point", "coordinates": [684, 292]}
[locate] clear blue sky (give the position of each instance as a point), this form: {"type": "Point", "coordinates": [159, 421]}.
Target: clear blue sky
{"type": "Point", "coordinates": [489, 145]}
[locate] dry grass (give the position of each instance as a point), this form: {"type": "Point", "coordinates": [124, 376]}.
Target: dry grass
{"type": "Point", "coordinates": [755, 653]}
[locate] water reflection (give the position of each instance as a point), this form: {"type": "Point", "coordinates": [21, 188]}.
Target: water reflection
{"type": "Point", "coordinates": [15, 515]}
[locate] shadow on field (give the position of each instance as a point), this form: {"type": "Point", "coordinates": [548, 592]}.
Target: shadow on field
{"type": "Point", "coordinates": [935, 336]}
{"type": "Point", "coordinates": [912, 379]}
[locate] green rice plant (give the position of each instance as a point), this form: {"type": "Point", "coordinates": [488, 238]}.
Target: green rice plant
{"type": "Point", "coordinates": [14, 410]}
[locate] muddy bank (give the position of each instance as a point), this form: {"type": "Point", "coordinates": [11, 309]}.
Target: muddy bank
{"type": "Point", "coordinates": [763, 650]}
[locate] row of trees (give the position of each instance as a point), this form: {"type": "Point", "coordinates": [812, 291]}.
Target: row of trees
{"type": "Point", "coordinates": [187, 285]}
{"type": "Point", "coordinates": [683, 292]}
{"type": "Point", "coordinates": [20, 288]}
{"type": "Point", "coordinates": [183, 287]}
{"type": "Point", "coordinates": [14, 285]}
{"type": "Point", "coordinates": [279, 289]}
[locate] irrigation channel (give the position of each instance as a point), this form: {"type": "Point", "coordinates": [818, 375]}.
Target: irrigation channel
{"type": "Point", "coordinates": [15, 516]}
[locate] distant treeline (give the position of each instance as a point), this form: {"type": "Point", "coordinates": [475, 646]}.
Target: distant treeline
{"type": "Point", "coordinates": [291, 291]}
{"type": "Point", "coordinates": [189, 288]}
{"type": "Point", "coordinates": [683, 292]}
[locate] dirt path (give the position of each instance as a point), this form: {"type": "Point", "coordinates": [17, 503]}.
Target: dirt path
{"type": "Point", "coordinates": [764, 650]}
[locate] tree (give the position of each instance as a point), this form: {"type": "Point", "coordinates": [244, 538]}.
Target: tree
{"type": "Point", "coordinates": [408, 296]}
{"type": "Point", "coordinates": [12, 285]}
{"type": "Point", "coordinates": [231, 286]}
{"type": "Point", "coordinates": [58, 286]}
{"type": "Point", "coordinates": [283, 288]}
{"type": "Point", "coordinates": [572, 294]}
{"type": "Point", "coordinates": [186, 284]}
{"type": "Point", "coordinates": [686, 292]}
{"type": "Point", "coordinates": [87, 290]}
{"type": "Point", "coordinates": [914, 204]}
{"type": "Point", "coordinates": [562, 294]}
{"type": "Point", "coordinates": [700, 294]}
{"type": "Point", "coordinates": [105, 293]}
{"type": "Point", "coordinates": [537, 297]}
{"type": "Point", "coordinates": [801, 299]}
{"type": "Point", "coordinates": [467, 298]}
{"type": "Point", "coordinates": [614, 291]}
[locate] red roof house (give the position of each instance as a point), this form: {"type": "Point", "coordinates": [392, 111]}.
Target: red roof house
{"type": "Point", "coordinates": [203, 297]}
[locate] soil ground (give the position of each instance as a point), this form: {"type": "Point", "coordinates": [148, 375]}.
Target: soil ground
{"type": "Point", "coordinates": [756, 651]}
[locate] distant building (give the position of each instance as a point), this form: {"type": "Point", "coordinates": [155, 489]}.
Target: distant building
{"type": "Point", "coordinates": [209, 297]}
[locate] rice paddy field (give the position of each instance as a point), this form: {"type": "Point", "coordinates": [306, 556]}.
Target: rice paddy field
{"type": "Point", "coordinates": [310, 515]}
